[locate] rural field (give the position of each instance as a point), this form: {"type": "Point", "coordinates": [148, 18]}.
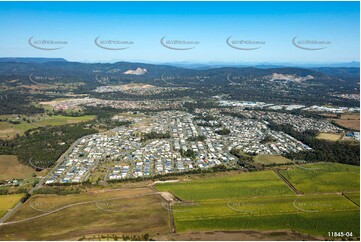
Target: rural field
{"type": "Point", "coordinates": [354, 197]}
{"type": "Point", "coordinates": [40, 203]}
{"type": "Point", "coordinates": [247, 235]}
{"type": "Point", "coordinates": [324, 177]}
{"type": "Point", "coordinates": [351, 121]}
{"type": "Point", "coordinates": [329, 136]}
{"type": "Point", "coordinates": [263, 183]}
{"type": "Point", "coordinates": [11, 168]}
{"type": "Point", "coordinates": [10, 130]}
{"type": "Point", "coordinates": [8, 201]}
{"type": "Point", "coordinates": [262, 201]}
{"type": "Point", "coordinates": [124, 211]}
{"type": "Point", "coordinates": [271, 159]}
{"type": "Point", "coordinates": [232, 202]}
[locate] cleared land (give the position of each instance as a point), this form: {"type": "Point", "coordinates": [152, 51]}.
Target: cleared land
{"type": "Point", "coordinates": [236, 236]}
{"type": "Point", "coordinates": [271, 159]}
{"type": "Point", "coordinates": [351, 121]}
{"type": "Point", "coordinates": [11, 168]}
{"type": "Point", "coordinates": [61, 120]}
{"type": "Point", "coordinates": [8, 201]}
{"type": "Point", "coordinates": [231, 201]}
{"type": "Point", "coordinates": [329, 136]}
{"type": "Point", "coordinates": [9, 130]}
{"type": "Point", "coordinates": [38, 204]}
{"type": "Point", "coordinates": [264, 183]}
{"type": "Point", "coordinates": [258, 201]}
{"type": "Point", "coordinates": [324, 177]}
{"type": "Point", "coordinates": [123, 211]}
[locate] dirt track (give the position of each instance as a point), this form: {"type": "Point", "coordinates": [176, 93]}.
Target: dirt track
{"type": "Point", "coordinates": [237, 236]}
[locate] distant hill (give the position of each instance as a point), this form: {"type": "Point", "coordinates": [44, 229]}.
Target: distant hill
{"type": "Point", "coordinates": [341, 72]}
{"type": "Point", "coordinates": [31, 59]}
{"type": "Point", "coordinates": [308, 86]}
{"type": "Point", "coordinates": [95, 74]}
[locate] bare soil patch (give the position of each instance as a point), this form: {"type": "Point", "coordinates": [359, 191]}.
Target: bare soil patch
{"type": "Point", "coordinates": [237, 235]}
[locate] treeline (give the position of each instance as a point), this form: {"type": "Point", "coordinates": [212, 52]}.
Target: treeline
{"type": "Point", "coordinates": [58, 190]}
{"type": "Point", "coordinates": [323, 150]}
{"type": "Point", "coordinates": [223, 131]}
{"type": "Point", "coordinates": [17, 102]}
{"type": "Point", "coordinates": [7, 190]}
{"type": "Point", "coordinates": [208, 124]}
{"type": "Point", "coordinates": [115, 237]}
{"type": "Point", "coordinates": [155, 135]}
{"type": "Point", "coordinates": [104, 117]}
{"type": "Point", "coordinates": [202, 103]}
{"type": "Point", "coordinates": [245, 160]}
{"type": "Point", "coordinates": [197, 138]}
{"type": "Point", "coordinates": [188, 153]}
{"type": "Point", "coordinates": [268, 139]}
{"type": "Point", "coordinates": [44, 145]}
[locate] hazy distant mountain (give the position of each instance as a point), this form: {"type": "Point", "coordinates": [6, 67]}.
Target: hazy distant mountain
{"type": "Point", "coordinates": [159, 74]}
{"type": "Point", "coordinates": [212, 65]}
{"type": "Point", "coordinates": [31, 59]}
{"type": "Point", "coordinates": [312, 86]}
{"type": "Point", "coordinates": [194, 65]}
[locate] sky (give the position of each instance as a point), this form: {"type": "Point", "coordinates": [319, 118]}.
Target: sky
{"type": "Point", "coordinates": [257, 32]}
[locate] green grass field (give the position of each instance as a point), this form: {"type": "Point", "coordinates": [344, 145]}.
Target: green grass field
{"type": "Point", "coordinates": [258, 201]}
{"type": "Point", "coordinates": [9, 130]}
{"type": "Point", "coordinates": [61, 120]}
{"type": "Point", "coordinates": [271, 159]}
{"type": "Point", "coordinates": [324, 177]}
{"type": "Point", "coordinates": [308, 223]}
{"type": "Point", "coordinates": [355, 197]}
{"type": "Point", "coordinates": [264, 183]}
{"type": "Point", "coordinates": [262, 206]}
{"type": "Point", "coordinates": [8, 201]}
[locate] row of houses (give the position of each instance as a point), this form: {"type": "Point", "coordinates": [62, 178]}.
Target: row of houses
{"type": "Point", "coordinates": [299, 123]}
{"type": "Point", "coordinates": [124, 153]}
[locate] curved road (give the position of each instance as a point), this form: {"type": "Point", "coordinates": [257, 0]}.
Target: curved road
{"type": "Point", "coordinates": [76, 204]}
